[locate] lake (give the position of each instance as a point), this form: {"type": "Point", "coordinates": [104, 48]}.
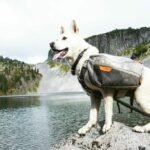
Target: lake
{"type": "Point", "coordinates": [38, 122]}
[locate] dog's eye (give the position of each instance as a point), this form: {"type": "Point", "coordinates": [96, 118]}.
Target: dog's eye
{"type": "Point", "coordinates": [64, 38]}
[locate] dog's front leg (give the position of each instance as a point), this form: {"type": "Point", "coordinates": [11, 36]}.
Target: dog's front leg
{"type": "Point", "coordinates": [95, 103]}
{"type": "Point", "coordinates": [108, 102]}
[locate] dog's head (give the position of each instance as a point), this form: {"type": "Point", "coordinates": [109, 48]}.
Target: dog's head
{"type": "Point", "coordinates": [68, 43]}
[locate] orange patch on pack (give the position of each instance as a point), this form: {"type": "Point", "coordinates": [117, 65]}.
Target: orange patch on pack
{"type": "Point", "coordinates": [105, 68]}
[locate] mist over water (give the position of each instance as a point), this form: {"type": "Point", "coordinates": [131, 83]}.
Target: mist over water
{"type": "Point", "coordinates": [54, 80]}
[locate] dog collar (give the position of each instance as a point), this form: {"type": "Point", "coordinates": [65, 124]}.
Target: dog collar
{"type": "Point", "coordinates": [73, 68]}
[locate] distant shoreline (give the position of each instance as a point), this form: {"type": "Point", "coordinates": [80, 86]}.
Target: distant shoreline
{"type": "Point", "coordinates": [45, 94]}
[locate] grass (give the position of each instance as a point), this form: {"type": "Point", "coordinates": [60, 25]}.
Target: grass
{"type": "Point", "coordinates": [141, 51]}
{"type": "Point", "coordinates": [62, 66]}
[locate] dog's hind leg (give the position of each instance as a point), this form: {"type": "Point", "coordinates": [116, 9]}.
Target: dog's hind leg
{"type": "Point", "coordinates": [108, 102]}
{"type": "Point", "coordinates": [95, 103]}
{"type": "Point", "coordinates": [144, 104]}
{"type": "Point", "coordinates": [145, 128]}
{"type": "Point", "coordinates": [142, 97]}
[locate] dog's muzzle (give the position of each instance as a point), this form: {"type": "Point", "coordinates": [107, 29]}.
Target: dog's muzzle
{"type": "Point", "coordinates": [59, 53]}
{"type": "Point", "coordinates": [52, 45]}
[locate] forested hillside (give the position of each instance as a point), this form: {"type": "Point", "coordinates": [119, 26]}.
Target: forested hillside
{"type": "Point", "coordinates": [17, 77]}
{"type": "Point", "coordinates": [139, 52]}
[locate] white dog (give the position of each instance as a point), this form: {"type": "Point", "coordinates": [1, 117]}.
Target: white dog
{"type": "Point", "coordinates": [69, 45]}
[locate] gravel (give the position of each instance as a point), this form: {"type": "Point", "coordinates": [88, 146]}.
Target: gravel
{"type": "Point", "coordinates": [119, 137]}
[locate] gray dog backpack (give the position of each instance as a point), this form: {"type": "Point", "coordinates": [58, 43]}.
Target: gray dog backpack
{"type": "Point", "coordinates": [109, 71]}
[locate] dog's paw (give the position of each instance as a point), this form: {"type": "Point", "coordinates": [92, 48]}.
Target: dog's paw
{"type": "Point", "coordinates": [106, 128]}
{"type": "Point", "coordinates": [83, 130]}
{"type": "Point", "coordinates": [139, 129]}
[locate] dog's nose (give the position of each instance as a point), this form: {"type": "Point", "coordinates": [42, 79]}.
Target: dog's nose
{"type": "Point", "coordinates": [52, 44]}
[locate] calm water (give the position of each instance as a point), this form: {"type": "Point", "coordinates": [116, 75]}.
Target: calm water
{"type": "Point", "coordinates": [38, 122]}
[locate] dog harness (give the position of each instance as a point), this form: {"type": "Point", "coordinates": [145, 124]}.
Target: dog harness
{"type": "Point", "coordinates": [73, 68]}
{"type": "Point", "coordinates": [106, 71]}
{"type": "Point", "coordinates": [109, 71]}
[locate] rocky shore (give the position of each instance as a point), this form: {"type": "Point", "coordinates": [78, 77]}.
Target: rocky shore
{"type": "Point", "coordinates": [119, 137]}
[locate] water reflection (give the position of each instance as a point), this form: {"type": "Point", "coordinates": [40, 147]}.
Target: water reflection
{"type": "Point", "coordinates": [19, 102]}
{"type": "Point", "coordinates": [37, 122]}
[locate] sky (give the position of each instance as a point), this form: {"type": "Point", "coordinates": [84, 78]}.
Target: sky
{"type": "Point", "coordinates": [28, 26]}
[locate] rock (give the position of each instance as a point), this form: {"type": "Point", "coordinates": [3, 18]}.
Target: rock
{"type": "Point", "coordinates": [119, 137]}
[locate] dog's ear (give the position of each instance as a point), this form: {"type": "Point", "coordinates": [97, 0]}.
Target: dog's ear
{"type": "Point", "coordinates": [62, 30]}
{"type": "Point", "coordinates": [74, 27]}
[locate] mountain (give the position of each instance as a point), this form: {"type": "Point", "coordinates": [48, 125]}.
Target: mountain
{"type": "Point", "coordinates": [116, 41]}
{"type": "Point", "coordinates": [17, 77]}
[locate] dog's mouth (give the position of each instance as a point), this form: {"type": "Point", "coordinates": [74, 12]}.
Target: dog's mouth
{"type": "Point", "coordinates": [59, 53]}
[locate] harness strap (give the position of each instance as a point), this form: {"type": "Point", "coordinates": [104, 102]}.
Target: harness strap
{"type": "Point", "coordinates": [81, 79]}
{"type": "Point", "coordinates": [73, 68]}
{"type": "Point", "coordinates": [132, 107]}
{"type": "Point", "coordinates": [130, 94]}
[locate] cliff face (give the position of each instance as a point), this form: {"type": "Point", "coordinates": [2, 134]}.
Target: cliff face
{"type": "Point", "coordinates": [116, 41]}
